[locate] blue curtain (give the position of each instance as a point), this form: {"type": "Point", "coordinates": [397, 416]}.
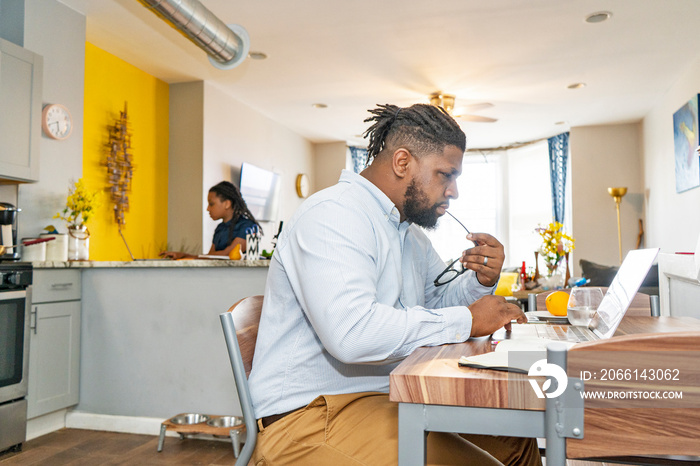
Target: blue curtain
{"type": "Point", "coordinates": [359, 158]}
{"type": "Point", "coordinates": [558, 155]}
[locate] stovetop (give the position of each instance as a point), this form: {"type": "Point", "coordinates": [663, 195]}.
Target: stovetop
{"type": "Point", "coordinates": [15, 275]}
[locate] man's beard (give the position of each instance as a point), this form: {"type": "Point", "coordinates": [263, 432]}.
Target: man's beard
{"type": "Point", "coordinates": [417, 207]}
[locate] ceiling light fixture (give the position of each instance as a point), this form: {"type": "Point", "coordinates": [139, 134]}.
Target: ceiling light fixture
{"type": "Point", "coordinates": [598, 17]}
{"type": "Point", "coordinates": [447, 102]}
{"type": "Point", "coordinates": [319, 105]}
{"type": "Point", "coordinates": [576, 85]}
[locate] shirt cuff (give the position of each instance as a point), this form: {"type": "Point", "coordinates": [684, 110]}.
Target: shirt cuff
{"type": "Point", "coordinates": [458, 323]}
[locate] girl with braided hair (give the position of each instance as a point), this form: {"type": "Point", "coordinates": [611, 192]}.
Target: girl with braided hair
{"type": "Point", "coordinates": [225, 203]}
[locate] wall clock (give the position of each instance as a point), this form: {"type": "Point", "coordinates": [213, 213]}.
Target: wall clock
{"type": "Point", "coordinates": [56, 121]}
{"type": "Point", "coordinates": [302, 185]}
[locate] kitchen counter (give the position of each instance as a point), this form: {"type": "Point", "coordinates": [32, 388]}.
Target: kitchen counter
{"type": "Point", "coordinates": [151, 338]}
{"type": "Point", "coordinates": [206, 263]}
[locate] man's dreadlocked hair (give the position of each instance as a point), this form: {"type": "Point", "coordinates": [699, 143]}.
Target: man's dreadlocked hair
{"type": "Point", "coordinates": [227, 191]}
{"type": "Point", "coordinates": [422, 128]}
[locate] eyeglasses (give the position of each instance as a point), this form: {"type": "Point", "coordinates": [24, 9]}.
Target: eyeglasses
{"type": "Point", "coordinates": [450, 273]}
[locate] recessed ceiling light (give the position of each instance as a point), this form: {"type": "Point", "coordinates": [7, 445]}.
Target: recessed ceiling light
{"type": "Point", "coordinates": [319, 105]}
{"type": "Point", "coordinates": [576, 85]}
{"type": "Point", "coordinates": [257, 55]}
{"type": "Point", "coordinates": [598, 17]}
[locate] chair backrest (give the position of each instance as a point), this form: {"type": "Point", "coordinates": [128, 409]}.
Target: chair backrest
{"type": "Point", "coordinates": [240, 325]}
{"type": "Point", "coordinates": [640, 363]}
{"type": "Point", "coordinates": [246, 318]}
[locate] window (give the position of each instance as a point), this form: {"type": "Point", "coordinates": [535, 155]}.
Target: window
{"type": "Point", "coordinates": [506, 194]}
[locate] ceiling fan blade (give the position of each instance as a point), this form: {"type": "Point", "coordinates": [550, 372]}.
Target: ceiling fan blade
{"type": "Point", "coordinates": [469, 108]}
{"type": "Point", "coordinates": [476, 118]}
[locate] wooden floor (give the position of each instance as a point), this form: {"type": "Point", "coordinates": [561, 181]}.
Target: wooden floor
{"type": "Point", "coordinates": [89, 447]}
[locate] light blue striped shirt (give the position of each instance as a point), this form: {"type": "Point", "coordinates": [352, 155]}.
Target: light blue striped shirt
{"type": "Point", "coordinates": [349, 294]}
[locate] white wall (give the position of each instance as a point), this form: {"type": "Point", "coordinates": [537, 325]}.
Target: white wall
{"type": "Point", "coordinates": [57, 33]}
{"type": "Point", "coordinates": [234, 133]}
{"type": "Point", "coordinates": [674, 218]}
{"type": "Point", "coordinates": [603, 157]}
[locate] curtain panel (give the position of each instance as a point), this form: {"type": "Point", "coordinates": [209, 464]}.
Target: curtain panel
{"type": "Point", "coordinates": [558, 155]}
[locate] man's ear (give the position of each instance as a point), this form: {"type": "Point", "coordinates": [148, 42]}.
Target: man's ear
{"type": "Point", "coordinates": [401, 161]}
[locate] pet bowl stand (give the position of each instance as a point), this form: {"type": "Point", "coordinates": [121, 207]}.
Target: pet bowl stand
{"type": "Point", "coordinates": [203, 428]}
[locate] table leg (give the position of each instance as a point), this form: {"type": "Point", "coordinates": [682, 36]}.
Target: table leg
{"type": "Point", "coordinates": [161, 439]}
{"type": "Point", "coordinates": [412, 435]}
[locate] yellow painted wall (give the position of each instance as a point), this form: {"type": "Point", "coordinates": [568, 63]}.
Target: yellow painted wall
{"type": "Point", "coordinates": [109, 82]}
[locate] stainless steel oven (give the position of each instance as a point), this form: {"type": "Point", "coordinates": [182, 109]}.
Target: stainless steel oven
{"type": "Point", "coordinates": [15, 279]}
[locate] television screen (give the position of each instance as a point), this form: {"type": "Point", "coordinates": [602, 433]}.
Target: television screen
{"type": "Point", "coordinates": [260, 189]}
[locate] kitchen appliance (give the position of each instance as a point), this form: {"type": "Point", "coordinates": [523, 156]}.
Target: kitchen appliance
{"type": "Point", "coordinates": [15, 281]}
{"type": "Point", "coordinates": [8, 231]}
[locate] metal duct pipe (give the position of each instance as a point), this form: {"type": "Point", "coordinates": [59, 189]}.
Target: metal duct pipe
{"type": "Point", "coordinates": [227, 46]}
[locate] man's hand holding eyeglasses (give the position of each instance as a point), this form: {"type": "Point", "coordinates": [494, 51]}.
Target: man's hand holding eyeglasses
{"type": "Point", "coordinates": [490, 313]}
{"type": "Point", "coordinates": [486, 258]}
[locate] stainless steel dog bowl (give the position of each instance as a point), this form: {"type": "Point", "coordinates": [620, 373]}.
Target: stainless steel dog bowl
{"type": "Point", "coordinates": [187, 419]}
{"type": "Point", "coordinates": [225, 421]}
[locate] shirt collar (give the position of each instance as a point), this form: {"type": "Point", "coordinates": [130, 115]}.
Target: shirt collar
{"type": "Point", "coordinates": [391, 212]}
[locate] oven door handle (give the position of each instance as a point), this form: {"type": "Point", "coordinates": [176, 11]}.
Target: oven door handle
{"type": "Point", "coordinates": [35, 315]}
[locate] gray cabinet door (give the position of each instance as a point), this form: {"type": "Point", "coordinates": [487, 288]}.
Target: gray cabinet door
{"type": "Point", "coordinates": [54, 357]}
{"type": "Point", "coordinates": [20, 118]}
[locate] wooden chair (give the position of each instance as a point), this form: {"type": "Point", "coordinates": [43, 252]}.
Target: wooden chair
{"type": "Point", "coordinates": [638, 431]}
{"type": "Point", "coordinates": [240, 325]}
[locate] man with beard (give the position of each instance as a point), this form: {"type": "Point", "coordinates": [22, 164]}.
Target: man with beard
{"type": "Point", "coordinates": [350, 293]}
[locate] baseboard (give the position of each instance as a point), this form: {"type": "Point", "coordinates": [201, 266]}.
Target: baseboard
{"type": "Point", "coordinates": [123, 424]}
{"type": "Point", "coordinates": [112, 423]}
{"type": "Point", "coordinates": [46, 424]}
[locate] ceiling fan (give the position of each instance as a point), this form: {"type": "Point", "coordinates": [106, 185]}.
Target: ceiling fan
{"type": "Point", "coordinates": [447, 102]}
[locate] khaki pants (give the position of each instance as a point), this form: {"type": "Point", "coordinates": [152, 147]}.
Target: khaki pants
{"type": "Point", "coordinates": [362, 429]}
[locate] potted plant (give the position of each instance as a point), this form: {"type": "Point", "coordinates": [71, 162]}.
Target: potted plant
{"type": "Point", "coordinates": [81, 204]}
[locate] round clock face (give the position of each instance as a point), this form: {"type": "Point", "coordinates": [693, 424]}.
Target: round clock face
{"type": "Point", "coordinates": [56, 121]}
{"type": "Point", "coordinates": [302, 185]}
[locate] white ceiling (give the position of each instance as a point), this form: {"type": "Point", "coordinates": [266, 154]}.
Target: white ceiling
{"type": "Point", "coordinates": [518, 55]}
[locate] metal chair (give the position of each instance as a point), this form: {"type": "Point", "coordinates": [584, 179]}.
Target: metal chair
{"type": "Point", "coordinates": [240, 325]}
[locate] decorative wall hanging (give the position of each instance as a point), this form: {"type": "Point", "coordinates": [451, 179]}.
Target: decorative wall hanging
{"type": "Point", "coordinates": [685, 141]}
{"type": "Point", "coordinates": [120, 168]}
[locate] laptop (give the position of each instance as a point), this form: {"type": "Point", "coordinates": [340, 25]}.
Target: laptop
{"type": "Point", "coordinates": [612, 308]}
{"type": "Point", "coordinates": [132, 256]}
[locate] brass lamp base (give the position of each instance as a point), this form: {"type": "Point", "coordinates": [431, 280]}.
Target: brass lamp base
{"type": "Point", "coordinates": [617, 194]}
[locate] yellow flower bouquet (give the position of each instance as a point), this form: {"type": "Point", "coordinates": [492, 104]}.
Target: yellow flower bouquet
{"type": "Point", "coordinates": [81, 204]}
{"type": "Point", "coordinates": [555, 245]}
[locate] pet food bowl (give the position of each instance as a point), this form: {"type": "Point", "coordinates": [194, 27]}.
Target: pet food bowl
{"type": "Point", "coordinates": [225, 421]}
{"type": "Point", "coordinates": [189, 419]}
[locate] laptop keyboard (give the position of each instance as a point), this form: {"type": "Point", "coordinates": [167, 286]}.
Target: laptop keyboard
{"type": "Point", "coordinates": [564, 333]}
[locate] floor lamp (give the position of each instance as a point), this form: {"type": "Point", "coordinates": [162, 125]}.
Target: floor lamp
{"type": "Point", "coordinates": [617, 194]}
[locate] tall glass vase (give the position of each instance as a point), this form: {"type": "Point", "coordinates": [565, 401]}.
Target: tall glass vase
{"type": "Point", "coordinates": [78, 243]}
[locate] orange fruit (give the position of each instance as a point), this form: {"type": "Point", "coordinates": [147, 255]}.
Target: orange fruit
{"type": "Point", "coordinates": [556, 303]}
{"type": "Point", "coordinates": [235, 254]}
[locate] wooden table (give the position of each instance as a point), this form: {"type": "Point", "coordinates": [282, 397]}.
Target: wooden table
{"type": "Point", "coordinates": [435, 394]}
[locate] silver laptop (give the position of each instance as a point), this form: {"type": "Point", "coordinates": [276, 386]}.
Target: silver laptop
{"type": "Point", "coordinates": [611, 310]}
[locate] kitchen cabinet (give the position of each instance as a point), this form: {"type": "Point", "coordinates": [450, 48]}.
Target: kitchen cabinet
{"type": "Point", "coordinates": [54, 344]}
{"type": "Point", "coordinates": [20, 119]}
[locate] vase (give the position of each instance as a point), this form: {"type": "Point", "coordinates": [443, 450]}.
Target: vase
{"type": "Point", "coordinates": [78, 243]}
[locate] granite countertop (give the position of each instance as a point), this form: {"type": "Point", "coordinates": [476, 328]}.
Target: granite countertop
{"type": "Point", "coordinates": [149, 263]}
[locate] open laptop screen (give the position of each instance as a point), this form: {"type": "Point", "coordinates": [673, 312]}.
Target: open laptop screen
{"type": "Point", "coordinates": [622, 290]}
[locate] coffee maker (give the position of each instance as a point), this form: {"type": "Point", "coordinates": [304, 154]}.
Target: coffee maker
{"type": "Point", "coordinates": [8, 231]}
